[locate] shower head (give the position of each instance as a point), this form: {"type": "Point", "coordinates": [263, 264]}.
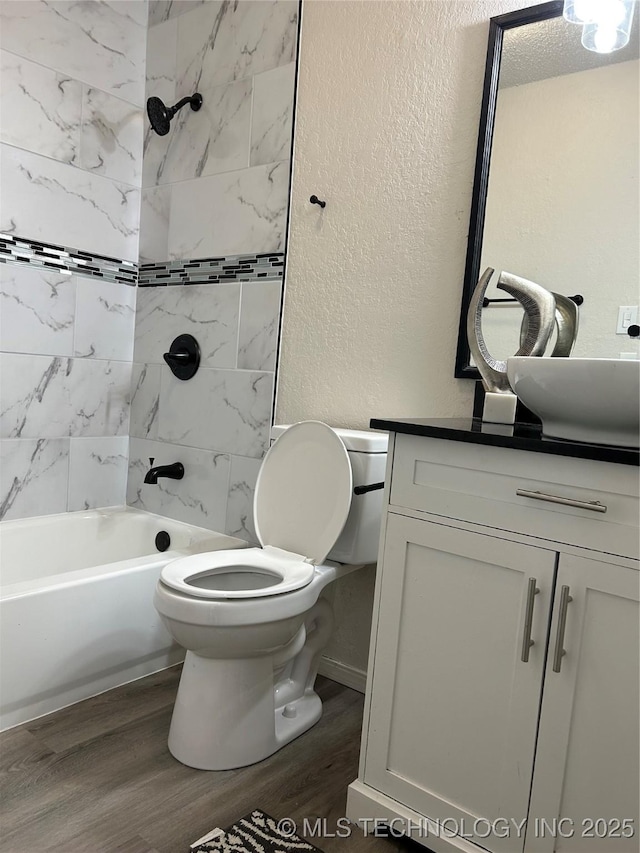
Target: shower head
{"type": "Point", "coordinates": [160, 115]}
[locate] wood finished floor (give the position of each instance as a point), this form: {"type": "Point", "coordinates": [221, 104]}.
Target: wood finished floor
{"type": "Point", "coordinates": [98, 778]}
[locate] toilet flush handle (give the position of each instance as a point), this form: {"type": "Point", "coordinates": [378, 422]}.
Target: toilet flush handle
{"type": "Point", "coordinates": [372, 487]}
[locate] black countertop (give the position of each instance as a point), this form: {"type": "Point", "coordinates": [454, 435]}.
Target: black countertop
{"type": "Point", "coordinates": [516, 436]}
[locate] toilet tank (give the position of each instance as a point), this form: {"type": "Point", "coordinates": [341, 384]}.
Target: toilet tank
{"type": "Point", "coordinates": [358, 542]}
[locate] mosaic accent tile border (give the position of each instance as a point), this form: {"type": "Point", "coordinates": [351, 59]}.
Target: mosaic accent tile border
{"type": "Point", "coordinates": [20, 250]}
{"type": "Point", "coordinates": [35, 253]}
{"type": "Point", "coordinates": [213, 270]}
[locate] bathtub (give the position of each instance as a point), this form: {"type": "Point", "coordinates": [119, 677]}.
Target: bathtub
{"type": "Point", "coordinates": [76, 604]}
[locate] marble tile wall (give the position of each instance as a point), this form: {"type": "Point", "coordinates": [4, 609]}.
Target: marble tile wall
{"type": "Point", "coordinates": [72, 77]}
{"type": "Point", "coordinates": [65, 375]}
{"type": "Point", "coordinates": [217, 424]}
{"type": "Point", "coordinates": [216, 186]}
{"type": "Point", "coordinates": [77, 396]}
{"type": "Point", "coordinates": [218, 183]}
{"type": "Point", "coordinates": [73, 82]}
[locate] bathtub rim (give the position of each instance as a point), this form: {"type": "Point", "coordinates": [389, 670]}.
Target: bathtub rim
{"type": "Point", "coordinates": [118, 567]}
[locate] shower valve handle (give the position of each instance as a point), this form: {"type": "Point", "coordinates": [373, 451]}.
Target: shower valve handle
{"type": "Point", "coordinates": [183, 357]}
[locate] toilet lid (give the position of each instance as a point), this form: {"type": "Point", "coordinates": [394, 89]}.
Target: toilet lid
{"type": "Point", "coordinates": [303, 493]}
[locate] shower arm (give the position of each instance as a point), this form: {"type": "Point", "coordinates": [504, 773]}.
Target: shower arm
{"type": "Point", "coordinates": [181, 103]}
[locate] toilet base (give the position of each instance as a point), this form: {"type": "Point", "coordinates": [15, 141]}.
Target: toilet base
{"type": "Point", "coordinates": [224, 715]}
{"type": "Point", "coordinates": [230, 712]}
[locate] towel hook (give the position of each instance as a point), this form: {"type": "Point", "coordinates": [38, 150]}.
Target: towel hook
{"type": "Point", "coordinates": [315, 200]}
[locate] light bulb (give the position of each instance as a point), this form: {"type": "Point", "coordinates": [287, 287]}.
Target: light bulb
{"type": "Point", "coordinates": [609, 14]}
{"type": "Point", "coordinates": [611, 26]}
{"type": "Point", "coordinates": [579, 11]}
{"type": "Point", "coordinates": [603, 39]}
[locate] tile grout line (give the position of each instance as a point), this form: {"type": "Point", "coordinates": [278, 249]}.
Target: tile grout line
{"type": "Point", "coordinates": [73, 165]}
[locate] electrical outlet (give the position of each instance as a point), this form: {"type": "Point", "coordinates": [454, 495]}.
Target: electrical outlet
{"type": "Point", "coordinates": [627, 316]}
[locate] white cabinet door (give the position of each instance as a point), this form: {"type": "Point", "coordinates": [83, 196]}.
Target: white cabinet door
{"type": "Point", "coordinates": [454, 708]}
{"type": "Point", "coordinates": [586, 773]}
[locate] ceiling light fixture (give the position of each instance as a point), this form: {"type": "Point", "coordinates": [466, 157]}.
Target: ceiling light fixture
{"type": "Point", "coordinates": [606, 24]}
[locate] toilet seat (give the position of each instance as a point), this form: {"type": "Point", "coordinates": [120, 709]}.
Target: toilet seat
{"type": "Point", "coordinates": [301, 503]}
{"type": "Point", "coordinates": [207, 575]}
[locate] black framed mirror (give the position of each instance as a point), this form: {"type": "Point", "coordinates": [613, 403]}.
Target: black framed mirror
{"type": "Point", "coordinates": [535, 55]}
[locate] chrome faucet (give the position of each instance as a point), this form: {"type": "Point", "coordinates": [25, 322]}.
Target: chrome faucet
{"type": "Point", "coordinates": [174, 471]}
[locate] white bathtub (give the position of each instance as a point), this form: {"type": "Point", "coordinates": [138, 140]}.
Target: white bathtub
{"type": "Point", "coordinates": [76, 604]}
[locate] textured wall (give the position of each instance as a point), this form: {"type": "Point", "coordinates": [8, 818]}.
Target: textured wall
{"type": "Point", "coordinates": [71, 132]}
{"type": "Point", "coordinates": [567, 215]}
{"type": "Point", "coordinates": [388, 109]}
{"type": "Point", "coordinates": [389, 101]}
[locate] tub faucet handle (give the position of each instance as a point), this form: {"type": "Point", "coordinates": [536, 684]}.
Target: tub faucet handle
{"type": "Point", "coordinates": [151, 461]}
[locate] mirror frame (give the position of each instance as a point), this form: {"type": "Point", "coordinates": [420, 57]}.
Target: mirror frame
{"type": "Point", "coordinates": [497, 27]}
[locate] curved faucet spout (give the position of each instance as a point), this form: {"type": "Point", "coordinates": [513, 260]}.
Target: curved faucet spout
{"type": "Point", "coordinates": [173, 472]}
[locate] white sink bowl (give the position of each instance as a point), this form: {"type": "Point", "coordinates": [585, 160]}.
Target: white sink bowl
{"type": "Point", "coordinates": [581, 399]}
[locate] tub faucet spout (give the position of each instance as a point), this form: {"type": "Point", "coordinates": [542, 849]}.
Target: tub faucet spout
{"type": "Point", "coordinates": [173, 472]}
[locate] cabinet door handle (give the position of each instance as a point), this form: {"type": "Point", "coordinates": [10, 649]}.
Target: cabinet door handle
{"type": "Point", "coordinates": [527, 642]}
{"type": "Point", "coordinates": [595, 506]}
{"type": "Point", "coordinates": [560, 652]}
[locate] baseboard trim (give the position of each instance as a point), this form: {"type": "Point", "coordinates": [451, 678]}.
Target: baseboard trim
{"type": "Point", "coordinates": [350, 676]}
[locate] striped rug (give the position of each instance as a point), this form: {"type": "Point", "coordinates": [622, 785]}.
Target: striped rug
{"type": "Point", "coordinates": [255, 833]}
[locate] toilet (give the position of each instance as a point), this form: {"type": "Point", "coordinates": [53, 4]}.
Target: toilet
{"type": "Point", "coordinates": [254, 621]}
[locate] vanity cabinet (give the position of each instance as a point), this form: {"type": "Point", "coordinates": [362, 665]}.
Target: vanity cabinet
{"type": "Point", "coordinates": [502, 706]}
{"type": "Point", "coordinates": [586, 768]}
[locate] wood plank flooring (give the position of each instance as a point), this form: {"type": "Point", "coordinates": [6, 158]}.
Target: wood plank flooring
{"type": "Point", "coordinates": [98, 778]}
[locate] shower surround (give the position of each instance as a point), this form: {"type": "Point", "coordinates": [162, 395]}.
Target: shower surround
{"type": "Point", "coordinates": [218, 183]}
{"type": "Point", "coordinates": [215, 188]}
{"type": "Point", "coordinates": [70, 172]}
{"type": "Point", "coordinates": [84, 405]}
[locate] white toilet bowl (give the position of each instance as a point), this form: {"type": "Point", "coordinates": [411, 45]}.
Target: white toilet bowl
{"type": "Point", "coordinates": [253, 620]}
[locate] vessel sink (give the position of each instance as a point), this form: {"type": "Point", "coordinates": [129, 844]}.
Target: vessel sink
{"type": "Point", "coordinates": [581, 399]}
